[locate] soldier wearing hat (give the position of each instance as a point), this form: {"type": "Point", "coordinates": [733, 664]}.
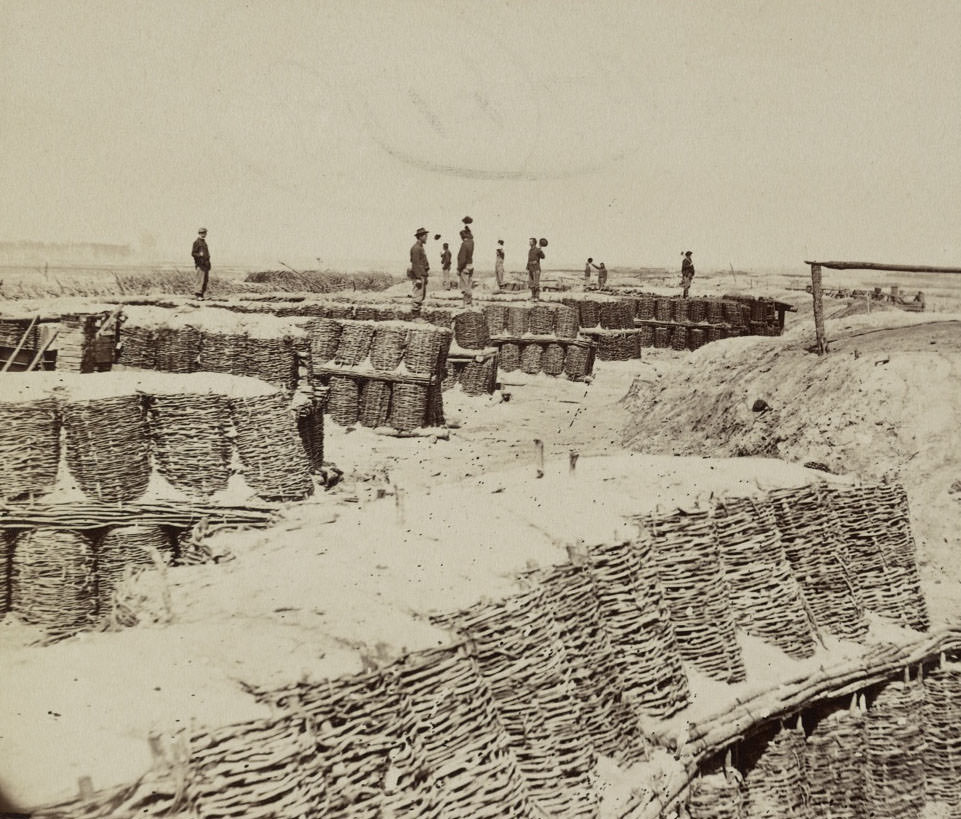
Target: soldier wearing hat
{"type": "Point", "coordinates": [499, 264]}
{"type": "Point", "coordinates": [201, 261]}
{"type": "Point", "coordinates": [465, 262]}
{"type": "Point", "coordinates": [687, 272]}
{"type": "Point", "coordinates": [418, 270]}
{"type": "Point", "coordinates": [445, 258]}
{"type": "Point", "coordinates": [534, 256]}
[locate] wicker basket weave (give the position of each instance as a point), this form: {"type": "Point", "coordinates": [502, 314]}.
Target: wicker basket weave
{"type": "Point", "coordinates": [697, 311]}
{"type": "Point", "coordinates": [517, 320]}
{"type": "Point", "coordinates": [510, 357]}
{"type": "Point", "coordinates": [374, 403]}
{"type": "Point", "coordinates": [531, 358]}
{"type": "Point", "coordinates": [695, 338]}
{"type": "Point", "coordinates": [470, 330]}
{"type": "Point", "coordinates": [644, 308]}
{"type": "Point", "coordinates": [387, 350]}
{"type": "Point", "coordinates": [577, 361]}
{"type": "Point", "coordinates": [715, 311]}
{"type": "Point", "coordinates": [688, 567]}
{"type": "Point", "coordinates": [679, 309]}
{"type": "Point", "coordinates": [408, 407]}
{"type": "Point", "coordinates": [6, 555]}
{"type": "Point", "coordinates": [274, 461]}
{"type": "Point", "coordinates": [716, 796]}
{"type": "Point", "coordinates": [552, 361]}
{"type": "Point", "coordinates": [636, 621]}
{"type": "Point", "coordinates": [273, 360]}
{"type": "Point", "coordinates": [178, 349]}
{"type": "Point", "coordinates": [541, 320]}
{"type": "Point", "coordinates": [189, 440]}
{"type": "Point", "coordinates": [354, 344]}
{"type": "Point", "coordinates": [679, 336]}
{"type": "Point", "coordinates": [588, 313]}
{"type": "Point", "coordinates": [342, 406]}
{"type": "Point", "coordinates": [662, 337]}
{"type": "Point", "coordinates": [663, 310]}
{"type": "Point", "coordinates": [107, 447]}
{"type": "Point", "coordinates": [477, 377]}
{"type": "Point", "coordinates": [122, 551]}
{"type": "Point", "coordinates": [224, 353]}
{"type": "Point", "coordinates": [496, 318]}
{"type": "Point", "coordinates": [138, 347]}
{"type": "Point", "coordinates": [565, 321]}
{"type": "Point", "coordinates": [29, 447]}
{"type": "Point", "coordinates": [834, 764]}
{"type": "Point", "coordinates": [425, 346]}
{"type": "Point", "coordinates": [894, 752]}
{"type": "Point", "coordinates": [324, 336]}
{"type": "Point", "coordinates": [942, 752]}
{"type": "Point", "coordinates": [52, 580]}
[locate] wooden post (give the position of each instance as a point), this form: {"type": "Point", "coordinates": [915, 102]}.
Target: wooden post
{"type": "Point", "coordinates": [539, 453]}
{"type": "Point", "coordinates": [818, 308]}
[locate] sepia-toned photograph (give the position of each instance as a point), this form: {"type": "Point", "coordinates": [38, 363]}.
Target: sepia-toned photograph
{"type": "Point", "coordinates": [519, 409]}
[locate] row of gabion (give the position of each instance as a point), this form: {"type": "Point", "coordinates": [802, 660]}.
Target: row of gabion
{"type": "Point", "coordinates": [541, 319]}
{"type": "Point", "coordinates": [65, 581]}
{"type": "Point", "coordinates": [785, 568]}
{"type": "Point", "coordinates": [508, 721]}
{"type": "Point", "coordinates": [386, 346]}
{"type": "Point", "coordinates": [576, 361]}
{"type": "Point", "coordinates": [192, 438]}
{"type": "Point", "coordinates": [191, 349]}
{"type": "Point", "coordinates": [373, 402]}
{"type": "Point", "coordinates": [883, 760]}
{"type": "Point", "coordinates": [474, 377]}
{"type": "Point", "coordinates": [395, 348]}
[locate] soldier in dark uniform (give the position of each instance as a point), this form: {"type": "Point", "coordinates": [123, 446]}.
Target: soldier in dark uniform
{"type": "Point", "coordinates": [201, 261]}
{"type": "Point", "coordinates": [465, 262]}
{"type": "Point", "coordinates": [418, 270]}
{"type": "Point", "coordinates": [445, 258]}
{"type": "Point", "coordinates": [687, 272]}
{"type": "Point", "coordinates": [534, 256]}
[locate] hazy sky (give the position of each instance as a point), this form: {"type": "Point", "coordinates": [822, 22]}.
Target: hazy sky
{"type": "Point", "coordinates": [754, 133]}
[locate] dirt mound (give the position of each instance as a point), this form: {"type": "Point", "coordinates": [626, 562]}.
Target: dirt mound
{"type": "Point", "coordinates": [883, 405]}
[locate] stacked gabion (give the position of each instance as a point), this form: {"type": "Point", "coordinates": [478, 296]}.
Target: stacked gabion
{"type": "Point", "coordinates": [812, 541]}
{"type": "Point", "coordinates": [895, 752]}
{"type": "Point", "coordinates": [689, 570]}
{"type": "Point", "coordinates": [639, 627]}
{"type": "Point", "coordinates": [776, 783]}
{"type": "Point", "coordinates": [765, 597]}
{"type": "Point", "coordinates": [942, 751]}
{"type": "Point", "coordinates": [834, 760]}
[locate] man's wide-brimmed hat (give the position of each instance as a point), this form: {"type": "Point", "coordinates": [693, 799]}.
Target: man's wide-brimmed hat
{"type": "Point", "coordinates": [543, 243]}
{"type": "Point", "coordinates": [687, 252]}
{"type": "Point", "coordinates": [467, 220]}
{"type": "Point", "coordinates": [421, 232]}
{"type": "Point", "coordinates": [202, 230]}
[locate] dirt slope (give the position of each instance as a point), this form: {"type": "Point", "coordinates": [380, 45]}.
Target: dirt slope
{"type": "Point", "coordinates": [884, 404]}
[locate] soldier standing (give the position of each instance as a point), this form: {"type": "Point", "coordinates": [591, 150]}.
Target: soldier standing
{"type": "Point", "coordinates": [534, 256]}
{"type": "Point", "coordinates": [418, 270]}
{"type": "Point", "coordinates": [687, 272]}
{"type": "Point", "coordinates": [499, 264]}
{"type": "Point", "coordinates": [465, 262]}
{"type": "Point", "coordinates": [201, 261]}
{"type": "Point", "coordinates": [445, 258]}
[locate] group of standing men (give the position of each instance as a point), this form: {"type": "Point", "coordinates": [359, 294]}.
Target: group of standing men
{"type": "Point", "coordinates": [420, 267]}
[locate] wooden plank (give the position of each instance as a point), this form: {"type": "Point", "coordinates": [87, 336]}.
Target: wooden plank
{"type": "Point", "coordinates": [896, 268]}
{"type": "Point", "coordinates": [353, 372]}
{"type": "Point", "coordinates": [818, 308]}
{"type": "Point", "coordinates": [577, 342]}
{"type": "Point", "coordinates": [19, 347]}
